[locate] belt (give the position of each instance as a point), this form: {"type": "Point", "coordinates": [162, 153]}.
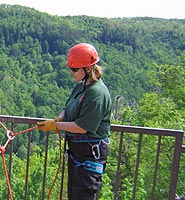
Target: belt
{"type": "Point", "coordinates": [83, 138]}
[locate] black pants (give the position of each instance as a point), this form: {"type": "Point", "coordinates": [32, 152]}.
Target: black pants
{"type": "Point", "coordinates": [84, 184]}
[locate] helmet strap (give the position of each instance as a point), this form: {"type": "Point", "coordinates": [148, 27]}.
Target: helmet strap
{"type": "Point", "coordinates": [85, 78]}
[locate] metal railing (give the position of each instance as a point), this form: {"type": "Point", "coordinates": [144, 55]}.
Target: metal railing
{"type": "Point", "coordinates": [140, 132]}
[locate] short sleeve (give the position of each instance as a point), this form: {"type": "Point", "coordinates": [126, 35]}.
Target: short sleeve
{"type": "Point", "coordinates": [92, 111]}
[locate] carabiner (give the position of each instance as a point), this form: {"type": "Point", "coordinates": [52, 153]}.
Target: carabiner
{"type": "Point", "coordinates": [96, 151]}
{"type": "Point", "coordinates": [9, 136]}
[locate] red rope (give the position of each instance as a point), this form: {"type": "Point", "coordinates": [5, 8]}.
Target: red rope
{"type": "Point", "coordinates": [2, 150]}
{"type": "Point", "coordinates": [21, 132]}
{"type": "Point", "coordinates": [58, 170]}
{"type": "Point", "coordinates": [10, 136]}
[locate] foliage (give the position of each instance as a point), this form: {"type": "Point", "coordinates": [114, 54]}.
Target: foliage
{"type": "Point", "coordinates": [106, 190]}
{"type": "Point", "coordinates": [143, 60]}
{"type": "Point", "coordinates": [160, 108]}
{"type": "Point", "coordinates": [35, 175]}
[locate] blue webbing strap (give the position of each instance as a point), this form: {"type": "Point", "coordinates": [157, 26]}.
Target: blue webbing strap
{"type": "Point", "coordinates": [89, 165]}
{"type": "Point", "coordinates": [79, 138]}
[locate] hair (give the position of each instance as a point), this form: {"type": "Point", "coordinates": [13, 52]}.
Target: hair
{"type": "Point", "coordinates": [94, 72]}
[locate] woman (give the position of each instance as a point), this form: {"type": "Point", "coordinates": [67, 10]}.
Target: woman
{"type": "Point", "coordinates": [86, 121]}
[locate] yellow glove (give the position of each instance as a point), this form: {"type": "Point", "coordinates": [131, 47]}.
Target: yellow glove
{"type": "Point", "coordinates": [48, 125]}
{"type": "Point", "coordinates": [58, 119]}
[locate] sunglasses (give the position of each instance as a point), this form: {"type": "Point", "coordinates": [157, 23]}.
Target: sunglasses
{"type": "Point", "coordinates": [74, 69]}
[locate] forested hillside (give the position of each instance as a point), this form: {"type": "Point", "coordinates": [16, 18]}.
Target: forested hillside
{"type": "Point", "coordinates": [34, 78]}
{"type": "Point", "coordinates": [144, 63]}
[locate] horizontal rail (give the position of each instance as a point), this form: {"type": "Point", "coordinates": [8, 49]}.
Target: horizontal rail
{"type": "Point", "coordinates": [146, 130]}
{"type": "Point", "coordinates": [121, 129]}
{"type": "Point", "coordinates": [114, 127]}
{"type": "Point", "coordinates": [20, 120]}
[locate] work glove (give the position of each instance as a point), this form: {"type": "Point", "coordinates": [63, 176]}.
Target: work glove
{"type": "Point", "coordinates": [48, 125]}
{"type": "Point", "coordinates": [58, 119]}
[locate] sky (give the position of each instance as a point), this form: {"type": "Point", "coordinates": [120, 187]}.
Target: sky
{"type": "Point", "coordinates": [167, 9]}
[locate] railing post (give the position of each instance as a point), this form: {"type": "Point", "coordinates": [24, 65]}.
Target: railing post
{"type": "Point", "coordinates": [27, 166]}
{"type": "Point", "coordinates": [175, 165]}
{"type": "Point", "coordinates": [63, 168]}
{"type": "Point", "coordinates": [45, 166]}
{"type": "Point", "coordinates": [10, 160]}
{"type": "Point", "coordinates": [118, 167]}
{"type": "Point", "coordinates": [156, 167]}
{"type": "Point", "coordinates": [137, 166]}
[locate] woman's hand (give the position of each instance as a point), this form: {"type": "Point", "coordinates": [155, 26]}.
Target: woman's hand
{"type": "Point", "coordinates": [48, 125]}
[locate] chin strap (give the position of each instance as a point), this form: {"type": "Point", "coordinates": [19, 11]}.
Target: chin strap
{"type": "Point", "coordinates": [85, 78]}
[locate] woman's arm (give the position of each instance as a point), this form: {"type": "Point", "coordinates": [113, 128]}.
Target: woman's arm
{"type": "Point", "coordinates": [71, 127]}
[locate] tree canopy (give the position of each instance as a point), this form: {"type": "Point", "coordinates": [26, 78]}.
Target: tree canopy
{"type": "Point", "coordinates": [144, 69]}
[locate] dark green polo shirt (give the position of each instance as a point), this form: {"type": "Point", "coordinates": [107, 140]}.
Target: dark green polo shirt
{"type": "Point", "coordinates": [90, 109]}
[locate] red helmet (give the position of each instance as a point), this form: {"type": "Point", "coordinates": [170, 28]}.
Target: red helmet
{"type": "Point", "coordinates": [82, 55]}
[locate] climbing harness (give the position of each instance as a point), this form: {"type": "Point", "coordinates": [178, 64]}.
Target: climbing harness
{"type": "Point", "coordinates": [79, 138]}
{"type": "Point", "coordinates": [95, 149]}
{"type": "Point", "coordinates": [89, 165]}
{"type": "Point", "coordinates": [11, 136]}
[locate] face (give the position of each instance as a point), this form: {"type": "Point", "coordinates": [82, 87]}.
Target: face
{"type": "Point", "coordinates": [78, 75]}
